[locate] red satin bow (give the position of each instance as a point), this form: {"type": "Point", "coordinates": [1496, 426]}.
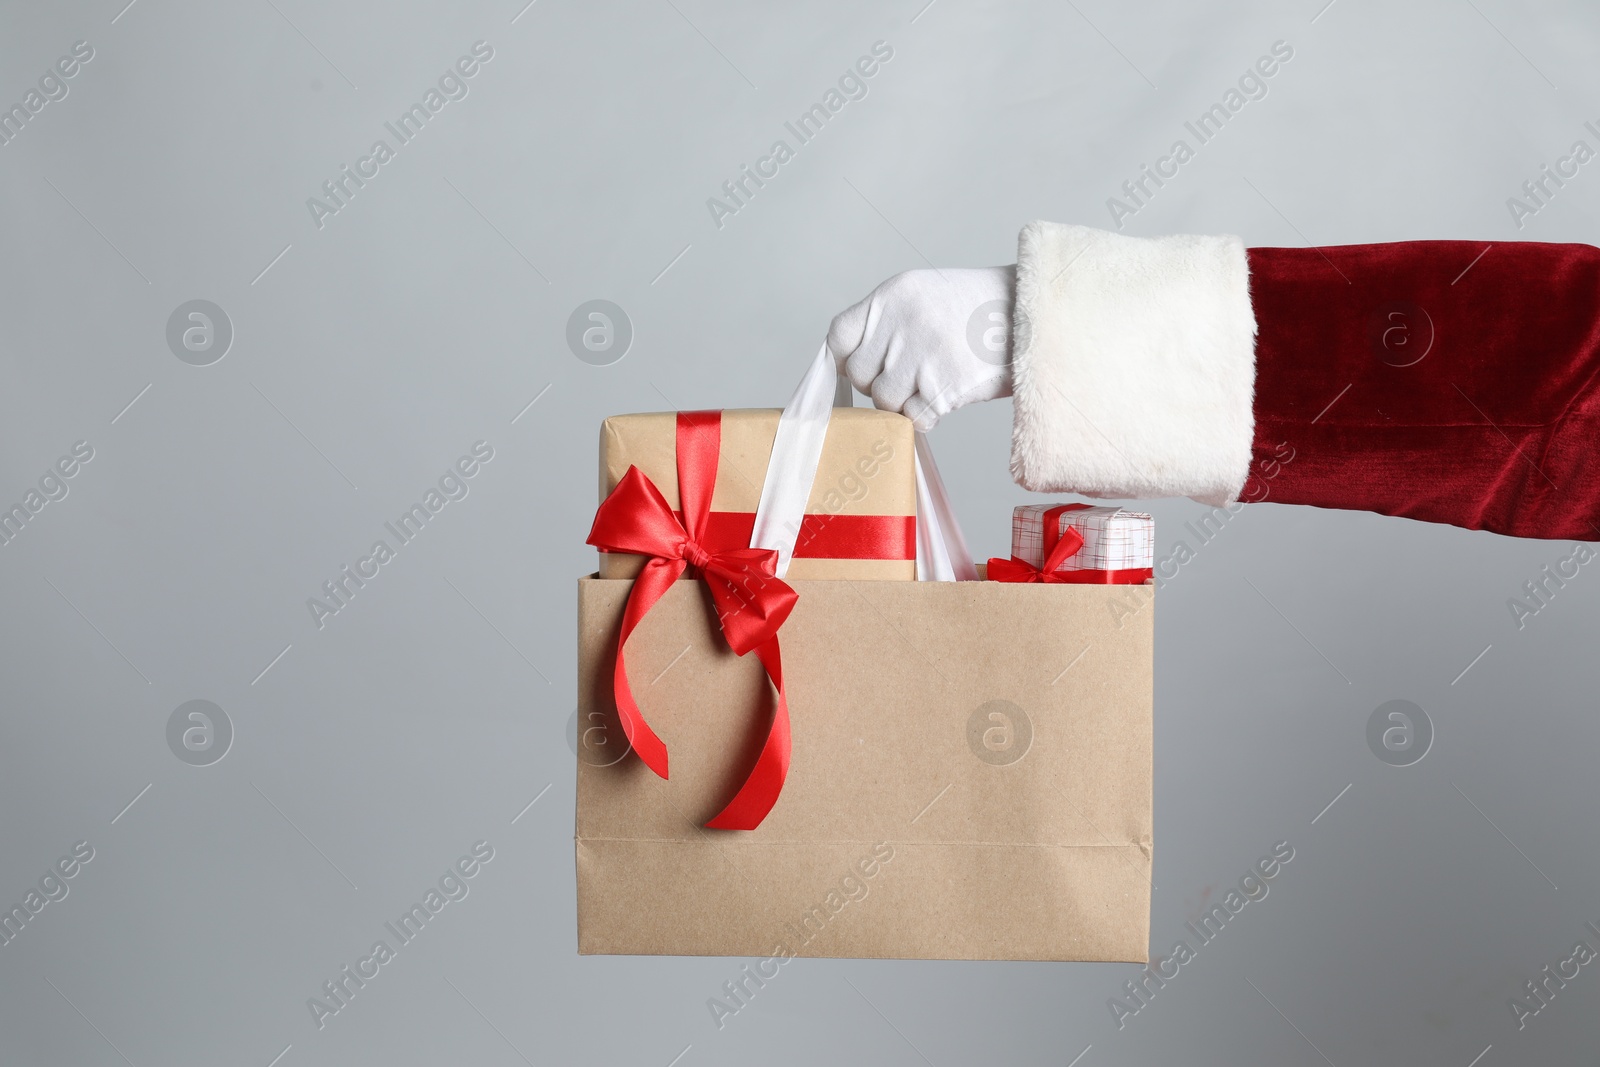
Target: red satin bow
{"type": "Point", "coordinates": [751, 602]}
{"type": "Point", "coordinates": [1058, 548]}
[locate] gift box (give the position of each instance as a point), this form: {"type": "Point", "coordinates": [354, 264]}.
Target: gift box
{"type": "Point", "coordinates": [970, 779]}
{"type": "Point", "coordinates": [860, 520]}
{"type": "Point", "coordinates": [1078, 543]}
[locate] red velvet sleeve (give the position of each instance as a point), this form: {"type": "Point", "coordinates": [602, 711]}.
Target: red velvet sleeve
{"type": "Point", "coordinates": [1435, 380]}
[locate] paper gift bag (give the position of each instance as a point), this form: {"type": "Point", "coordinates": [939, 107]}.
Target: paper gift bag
{"type": "Point", "coordinates": [971, 777]}
{"type": "Point", "coordinates": [860, 520]}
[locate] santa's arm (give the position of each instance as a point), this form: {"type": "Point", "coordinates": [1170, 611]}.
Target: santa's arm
{"type": "Point", "coordinates": [1449, 381]}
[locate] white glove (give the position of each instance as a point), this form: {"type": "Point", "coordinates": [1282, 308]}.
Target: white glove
{"type": "Point", "coordinates": [929, 341]}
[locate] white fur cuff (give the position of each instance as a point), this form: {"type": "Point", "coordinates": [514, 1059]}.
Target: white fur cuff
{"type": "Point", "coordinates": [1133, 364]}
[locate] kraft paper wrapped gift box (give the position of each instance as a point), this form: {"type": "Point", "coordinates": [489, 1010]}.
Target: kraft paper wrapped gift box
{"type": "Point", "coordinates": [971, 776]}
{"type": "Point", "coordinates": [865, 490]}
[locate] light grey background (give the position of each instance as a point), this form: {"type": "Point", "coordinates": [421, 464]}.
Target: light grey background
{"type": "Point", "coordinates": [426, 315]}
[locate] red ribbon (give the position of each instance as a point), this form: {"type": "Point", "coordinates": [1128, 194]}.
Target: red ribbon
{"type": "Point", "coordinates": [824, 535]}
{"type": "Point", "coordinates": [751, 601]}
{"type": "Point", "coordinates": [1058, 548]}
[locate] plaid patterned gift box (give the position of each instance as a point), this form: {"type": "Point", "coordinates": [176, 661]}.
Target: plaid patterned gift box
{"type": "Point", "coordinates": [1113, 539]}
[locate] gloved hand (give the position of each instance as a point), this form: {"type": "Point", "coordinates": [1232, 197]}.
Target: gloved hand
{"type": "Point", "coordinates": [926, 342]}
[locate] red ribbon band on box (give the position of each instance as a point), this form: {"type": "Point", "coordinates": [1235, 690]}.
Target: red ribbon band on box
{"type": "Point", "coordinates": [891, 537]}
{"type": "Point", "coordinates": [1060, 546]}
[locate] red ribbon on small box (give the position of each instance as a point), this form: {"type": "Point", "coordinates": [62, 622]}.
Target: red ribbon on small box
{"type": "Point", "coordinates": [752, 603]}
{"type": "Point", "coordinates": [1058, 548]}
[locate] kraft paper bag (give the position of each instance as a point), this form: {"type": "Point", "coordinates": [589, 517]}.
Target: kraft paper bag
{"type": "Point", "coordinates": [971, 776]}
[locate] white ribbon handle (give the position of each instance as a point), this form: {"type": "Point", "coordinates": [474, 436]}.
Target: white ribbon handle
{"type": "Point", "coordinates": [942, 554]}
{"type": "Point", "coordinates": [796, 452]}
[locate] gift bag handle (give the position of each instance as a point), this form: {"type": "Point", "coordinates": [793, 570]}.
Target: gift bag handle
{"type": "Point", "coordinates": [942, 554]}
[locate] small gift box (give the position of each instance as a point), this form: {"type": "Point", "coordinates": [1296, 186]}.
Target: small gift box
{"type": "Point", "coordinates": [1078, 544]}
